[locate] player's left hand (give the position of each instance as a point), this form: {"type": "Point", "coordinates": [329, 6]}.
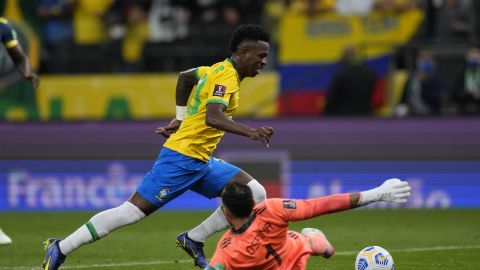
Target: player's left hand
{"type": "Point", "coordinates": [394, 190]}
{"type": "Point", "coordinates": [263, 135]}
{"type": "Point", "coordinates": [168, 130]}
{"type": "Point", "coordinates": [33, 78]}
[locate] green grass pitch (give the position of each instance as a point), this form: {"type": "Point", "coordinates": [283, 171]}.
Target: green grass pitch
{"type": "Point", "coordinates": [417, 239]}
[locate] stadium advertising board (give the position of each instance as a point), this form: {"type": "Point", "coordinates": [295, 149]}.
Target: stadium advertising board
{"type": "Point", "coordinates": [78, 185]}
{"type": "Point", "coordinates": [125, 97]}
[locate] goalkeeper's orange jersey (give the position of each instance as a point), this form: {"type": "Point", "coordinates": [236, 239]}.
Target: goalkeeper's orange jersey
{"type": "Point", "coordinates": [265, 243]}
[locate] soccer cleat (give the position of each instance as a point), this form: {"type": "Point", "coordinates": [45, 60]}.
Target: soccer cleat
{"type": "Point", "coordinates": [53, 257]}
{"type": "Point", "coordinates": [193, 248]}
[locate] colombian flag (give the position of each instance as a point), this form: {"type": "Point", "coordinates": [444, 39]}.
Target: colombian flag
{"type": "Point", "coordinates": [310, 50]}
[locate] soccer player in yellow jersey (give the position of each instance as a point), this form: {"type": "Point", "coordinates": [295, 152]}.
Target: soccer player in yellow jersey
{"type": "Point", "coordinates": [186, 162]}
{"type": "Point", "coordinates": [8, 37]}
{"type": "Point", "coordinates": [260, 238]}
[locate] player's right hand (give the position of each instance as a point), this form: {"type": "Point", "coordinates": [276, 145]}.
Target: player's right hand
{"type": "Point", "coordinates": [33, 78]}
{"type": "Point", "coordinates": [263, 135]}
{"type": "Point", "coordinates": [168, 130]}
{"type": "Point", "coordinates": [394, 190]}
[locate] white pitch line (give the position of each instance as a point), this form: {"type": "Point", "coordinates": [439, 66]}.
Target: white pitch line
{"type": "Point", "coordinates": [340, 253]}
{"type": "Point", "coordinates": [422, 249]}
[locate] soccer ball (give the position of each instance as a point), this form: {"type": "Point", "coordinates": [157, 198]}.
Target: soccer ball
{"type": "Point", "coordinates": [374, 258]}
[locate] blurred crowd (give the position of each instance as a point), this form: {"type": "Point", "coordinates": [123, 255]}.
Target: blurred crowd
{"type": "Point", "coordinates": [111, 36]}
{"type": "Point", "coordinates": [166, 35]}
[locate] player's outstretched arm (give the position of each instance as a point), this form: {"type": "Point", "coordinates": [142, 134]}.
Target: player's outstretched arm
{"type": "Point", "coordinates": [23, 65]}
{"type": "Point", "coordinates": [186, 80]}
{"type": "Point", "coordinates": [392, 190]}
{"type": "Point", "coordinates": [216, 118]}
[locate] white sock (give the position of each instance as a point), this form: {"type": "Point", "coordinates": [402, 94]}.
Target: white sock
{"type": "Point", "coordinates": [258, 191]}
{"type": "Point", "coordinates": [216, 222]}
{"type": "Point", "coordinates": [100, 225]}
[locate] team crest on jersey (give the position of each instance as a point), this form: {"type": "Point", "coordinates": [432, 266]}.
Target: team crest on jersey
{"type": "Point", "coordinates": [219, 90]}
{"type": "Point", "coordinates": [289, 204]}
{"type": "Point", "coordinates": [161, 195]}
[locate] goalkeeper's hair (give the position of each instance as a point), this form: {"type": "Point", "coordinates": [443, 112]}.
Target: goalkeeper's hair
{"type": "Point", "coordinates": [248, 32]}
{"type": "Point", "coordinates": [238, 198]}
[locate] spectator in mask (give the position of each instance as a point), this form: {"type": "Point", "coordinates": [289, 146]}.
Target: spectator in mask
{"type": "Point", "coordinates": [467, 85]}
{"type": "Point", "coordinates": [424, 90]}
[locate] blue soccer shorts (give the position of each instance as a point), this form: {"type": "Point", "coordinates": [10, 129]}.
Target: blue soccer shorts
{"type": "Point", "coordinates": [174, 173]}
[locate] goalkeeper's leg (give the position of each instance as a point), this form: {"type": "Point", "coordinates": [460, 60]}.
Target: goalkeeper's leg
{"type": "Point", "coordinates": [318, 242]}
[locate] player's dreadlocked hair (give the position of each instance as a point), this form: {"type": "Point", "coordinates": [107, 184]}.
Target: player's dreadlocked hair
{"type": "Point", "coordinates": [252, 32]}
{"type": "Point", "coordinates": [238, 199]}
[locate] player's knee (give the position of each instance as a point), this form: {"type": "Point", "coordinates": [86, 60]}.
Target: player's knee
{"type": "Point", "coordinates": [258, 191]}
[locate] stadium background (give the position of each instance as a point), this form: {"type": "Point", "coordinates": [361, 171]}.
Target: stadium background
{"type": "Point", "coordinates": [83, 140]}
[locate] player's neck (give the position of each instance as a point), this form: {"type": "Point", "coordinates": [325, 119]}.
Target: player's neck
{"type": "Point", "coordinates": [238, 223]}
{"type": "Point", "coordinates": [235, 65]}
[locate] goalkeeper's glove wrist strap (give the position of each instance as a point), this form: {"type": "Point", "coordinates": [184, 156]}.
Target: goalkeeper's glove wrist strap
{"type": "Point", "coordinates": [369, 196]}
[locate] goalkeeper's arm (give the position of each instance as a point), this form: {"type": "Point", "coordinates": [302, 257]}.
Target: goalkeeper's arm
{"type": "Point", "coordinates": [392, 190]}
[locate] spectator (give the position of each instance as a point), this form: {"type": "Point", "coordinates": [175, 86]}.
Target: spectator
{"type": "Point", "coordinates": [395, 5]}
{"type": "Point", "coordinates": [312, 7]}
{"type": "Point", "coordinates": [475, 7]}
{"type": "Point", "coordinates": [90, 35]}
{"type": "Point", "coordinates": [58, 33]}
{"type": "Point", "coordinates": [128, 31]}
{"type": "Point", "coordinates": [247, 11]}
{"type": "Point", "coordinates": [167, 47]}
{"type": "Point", "coordinates": [453, 21]}
{"type": "Point", "coordinates": [467, 85]}
{"type": "Point", "coordinates": [351, 89]}
{"type": "Point", "coordinates": [168, 21]}
{"type": "Point", "coordinates": [423, 91]}
{"type": "Point", "coordinates": [364, 7]}
{"type": "Point", "coordinates": [354, 7]}
{"type": "Point", "coordinates": [274, 11]}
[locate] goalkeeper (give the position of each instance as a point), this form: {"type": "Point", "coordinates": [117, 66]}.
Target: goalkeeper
{"type": "Point", "coordinates": [260, 239]}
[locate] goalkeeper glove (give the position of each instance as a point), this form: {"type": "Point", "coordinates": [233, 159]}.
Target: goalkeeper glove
{"type": "Point", "coordinates": [392, 190]}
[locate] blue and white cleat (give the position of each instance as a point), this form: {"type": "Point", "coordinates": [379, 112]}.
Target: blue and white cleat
{"type": "Point", "coordinates": [53, 257]}
{"type": "Point", "coordinates": [193, 248]}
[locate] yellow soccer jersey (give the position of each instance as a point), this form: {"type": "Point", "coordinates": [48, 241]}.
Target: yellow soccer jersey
{"type": "Point", "coordinates": [218, 83]}
{"type": "Point", "coordinates": [8, 36]}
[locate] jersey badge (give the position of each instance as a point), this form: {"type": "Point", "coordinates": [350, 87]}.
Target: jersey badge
{"type": "Point", "coordinates": [161, 195]}
{"type": "Point", "coordinates": [219, 90]}
{"type": "Point", "coordinates": [289, 204]}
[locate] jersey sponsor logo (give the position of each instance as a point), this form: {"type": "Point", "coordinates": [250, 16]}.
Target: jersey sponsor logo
{"type": "Point", "coordinates": [219, 90]}
{"type": "Point", "coordinates": [289, 204]}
